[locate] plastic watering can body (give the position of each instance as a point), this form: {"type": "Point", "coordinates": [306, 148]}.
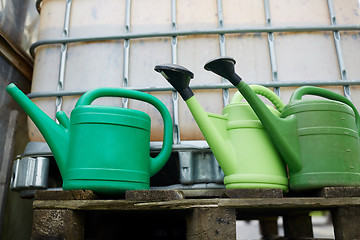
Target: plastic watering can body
{"type": "Point", "coordinates": [318, 139]}
{"type": "Point", "coordinates": [107, 149]}
{"type": "Point", "coordinates": [328, 132]}
{"type": "Point", "coordinates": [234, 137]}
{"type": "Point", "coordinates": [252, 167]}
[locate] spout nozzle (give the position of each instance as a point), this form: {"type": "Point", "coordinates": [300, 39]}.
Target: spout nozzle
{"type": "Point", "coordinates": [224, 67]}
{"type": "Point", "coordinates": [55, 135]}
{"type": "Point", "coordinates": [178, 76]}
{"type": "Point", "coordinates": [12, 89]}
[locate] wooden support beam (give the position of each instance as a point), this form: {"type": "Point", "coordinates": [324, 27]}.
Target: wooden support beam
{"type": "Point", "coordinates": [57, 224]}
{"type": "Point", "coordinates": [211, 223]}
{"type": "Point", "coordinates": [154, 195]}
{"type": "Point", "coordinates": [346, 222]}
{"type": "Point", "coordinates": [269, 227]}
{"type": "Point", "coordinates": [298, 225]}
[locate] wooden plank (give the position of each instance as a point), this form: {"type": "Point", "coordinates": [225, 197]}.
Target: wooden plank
{"type": "Point", "coordinates": [233, 193]}
{"type": "Point", "coordinates": [65, 195]}
{"type": "Point", "coordinates": [16, 59]}
{"type": "Point", "coordinates": [203, 193]}
{"type": "Point", "coordinates": [57, 224]}
{"type": "Point", "coordinates": [250, 204]}
{"type": "Point", "coordinates": [269, 227]}
{"type": "Point", "coordinates": [298, 225]}
{"type": "Point", "coordinates": [289, 203]}
{"type": "Point", "coordinates": [161, 195]}
{"type": "Point", "coordinates": [154, 195]}
{"type": "Point", "coordinates": [346, 222]}
{"type": "Point", "coordinates": [339, 192]}
{"type": "Point", "coordinates": [209, 223]}
{"type": "Point", "coordinates": [254, 193]}
{"type": "Point", "coordinates": [124, 205]}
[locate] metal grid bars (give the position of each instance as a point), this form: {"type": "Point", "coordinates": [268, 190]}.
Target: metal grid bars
{"type": "Point", "coordinates": [225, 91]}
{"type": "Point", "coordinates": [271, 42]}
{"type": "Point", "coordinates": [339, 52]}
{"type": "Point", "coordinates": [177, 33]}
{"type": "Point", "coordinates": [174, 94]}
{"type": "Point", "coordinates": [64, 49]}
{"type": "Point", "coordinates": [125, 101]}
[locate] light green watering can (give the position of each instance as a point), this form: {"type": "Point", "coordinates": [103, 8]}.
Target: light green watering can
{"type": "Point", "coordinates": [102, 148]}
{"type": "Point", "coordinates": [237, 138]}
{"type": "Point", "coordinates": [318, 138]}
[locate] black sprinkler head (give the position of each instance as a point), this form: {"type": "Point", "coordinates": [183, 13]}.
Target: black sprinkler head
{"type": "Point", "coordinates": [178, 76]}
{"type": "Point", "coordinates": [224, 67]}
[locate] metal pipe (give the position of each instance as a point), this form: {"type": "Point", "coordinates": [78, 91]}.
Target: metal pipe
{"type": "Point", "coordinates": [174, 33]}
{"type": "Point", "coordinates": [174, 94]}
{"type": "Point", "coordinates": [64, 48]}
{"type": "Point", "coordinates": [271, 42]}
{"type": "Point", "coordinates": [125, 82]}
{"type": "Point", "coordinates": [207, 86]}
{"type": "Point", "coordinates": [225, 91]}
{"type": "Point", "coordinates": [338, 47]}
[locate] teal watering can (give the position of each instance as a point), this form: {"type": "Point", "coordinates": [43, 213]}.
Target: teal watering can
{"type": "Point", "coordinates": [237, 138]}
{"type": "Point", "coordinates": [317, 138]}
{"type": "Point", "coordinates": [102, 148]}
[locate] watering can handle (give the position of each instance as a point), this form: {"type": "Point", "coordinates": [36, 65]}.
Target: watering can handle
{"type": "Point", "coordinates": [309, 90]}
{"type": "Point", "coordinates": [263, 91]}
{"type": "Point", "coordinates": [159, 161]}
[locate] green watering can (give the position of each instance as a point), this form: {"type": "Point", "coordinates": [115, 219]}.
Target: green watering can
{"type": "Point", "coordinates": [235, 136]}
{"type": "Point", "coordinates": [318, 139]}
{"type": "Point", "coordinates": [102, 148]}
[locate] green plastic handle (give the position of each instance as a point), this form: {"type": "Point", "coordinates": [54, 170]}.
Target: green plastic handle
{"type": "Point", "coordinates": [316, 91]}
{"type": "Point", "coordinates": [263, 91]}
{"type": "Point", "coordinates": [159, 161]}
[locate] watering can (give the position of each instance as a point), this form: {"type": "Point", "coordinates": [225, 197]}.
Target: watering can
{"type": "Point", "coordinates": [317, 138]}
{"type": "Point", "coordinates": [235, 136]}
{"type": "Point", "coordinates": [102, 148]}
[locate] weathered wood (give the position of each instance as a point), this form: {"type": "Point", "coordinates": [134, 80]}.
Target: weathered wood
{"type": "Point", "coordinates": [233, 193]}
{"type": "Point", "coordinates": [254, 193]}
{"type": "Point", "coordinates": [17, 59]}
{"type": "Point", "coordinates": [124, 205]}
{"type": "Point", "coordinates": [65, 195]}
{"type": "Point", "coordinates": [206, 218]}
{"type": "Point", "coordinates": [203, 193]}
{"type": "Point", "coordinates": [339, 192]}
{"type": "Point", "coordinates": [298, 225]}
{"type": "Point", "coordinates": [57, 224]}
{"type": "Point", "coordinates": [288, 203]}
{"type": "Point", "coordinates": [154, 195]}
{"type": "Point", "coordinates": [269, 227]}
{"type": "Point", "coordinates": [161, 195]}
{"type": "Point", "coordinates": [210, 223]}
{"type": "Point", "coordinates": [346, 222]}
{"type": "Point", "coordinates": [254, 204]}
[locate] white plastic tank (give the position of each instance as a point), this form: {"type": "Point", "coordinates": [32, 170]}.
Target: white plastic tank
{"type": "Point", "coordinates": [285, 55]}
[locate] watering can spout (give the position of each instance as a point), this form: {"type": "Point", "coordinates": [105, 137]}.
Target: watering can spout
{"type": "Point", "coordinates": [56, 135]}
{"type": "Point", "coordinates": [214, 133]}
{"type": "Point", "coordinates": [283, 132]}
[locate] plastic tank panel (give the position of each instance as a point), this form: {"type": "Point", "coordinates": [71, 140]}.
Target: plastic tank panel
{"type": "Point", "coordinates": [300, 56]}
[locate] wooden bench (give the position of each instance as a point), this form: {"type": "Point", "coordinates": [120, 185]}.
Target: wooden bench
{"type": "Point", "coordinates": [190, 214]}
